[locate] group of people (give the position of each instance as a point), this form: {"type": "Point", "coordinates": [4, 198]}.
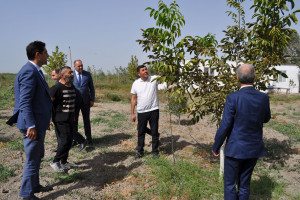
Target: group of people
{"type": "Point", "coordinates": [244, 114]}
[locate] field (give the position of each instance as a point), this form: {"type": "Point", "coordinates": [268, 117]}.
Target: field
{"type": "Point", "coordinates": [186, 168]}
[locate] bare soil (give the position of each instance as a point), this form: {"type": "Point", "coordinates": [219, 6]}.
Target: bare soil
{"type": "Point", "coordinates": [108, 170]}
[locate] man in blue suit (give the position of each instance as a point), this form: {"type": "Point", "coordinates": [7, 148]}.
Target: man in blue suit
{"type": "Point", "coordinates": [83, 82]}
{"type": "Point", "coordinates": [33, 106]}
{"type": "Point", "coordinates": [244, 113]}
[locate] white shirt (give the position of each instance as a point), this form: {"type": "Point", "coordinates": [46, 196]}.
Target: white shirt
{"type": "Point", "coordinates": [147, 96]}
{"type": "Point", "coordinates": [37, 67]}
{"type": "Point", "coordinates": [246, 86]}
{"type": "Point", "coordinates": [78, 74]}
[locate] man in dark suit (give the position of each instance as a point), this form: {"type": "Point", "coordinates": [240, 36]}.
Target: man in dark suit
{"type": "Point", "coordinates": [244, 113]}
{"type": "Point", "coordinates": [83, 82]}
{"type": "Point", "coordinates": [33, 103]}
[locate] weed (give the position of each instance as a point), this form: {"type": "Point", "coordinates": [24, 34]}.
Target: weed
{"type": "Point", "coordinates": [285, 98]}
{"type": "Point", "coordinates": [185, 179]}
{"type": "Point", "coordinates": [15, 145]}
{"type": "Point", "coordinates": [6, 172]}
{"type": "Point", "coordinates": [266, 187]}
{"type": "Point", "coordinates": [116, 121]}
{"type": "Point", "coordinates": [67, 178]}
{"type": "Point", "coordinates": [296, 113]}
{"type": "Point", "coordinates": [113, 97]}
{"type": "Point", "coordinates": [288, 129]}
{"type": "Point", "coordinates": [98, 120]}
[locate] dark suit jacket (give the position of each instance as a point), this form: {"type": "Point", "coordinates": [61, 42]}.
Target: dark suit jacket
{"type": "Point", "coordinates": [86, 88]}
{"type": "Point", "coordinates": [244, 113]}
{"type": "Point", "coordinates": [32, 99]}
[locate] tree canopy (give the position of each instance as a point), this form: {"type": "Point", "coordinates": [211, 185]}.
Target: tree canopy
{"type": "Point", "coordinates": [193, 65]}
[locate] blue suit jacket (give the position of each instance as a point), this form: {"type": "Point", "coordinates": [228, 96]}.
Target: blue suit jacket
{"type": "Point", "coordinates": [244, 113]}
{"type": "Point", "coordinates": [86, 88]}
{"type": "Point", "coordinates": [32, 99]}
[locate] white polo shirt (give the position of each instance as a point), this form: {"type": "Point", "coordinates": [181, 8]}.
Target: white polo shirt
{"type": "Point", "coordinates": [146, 91]}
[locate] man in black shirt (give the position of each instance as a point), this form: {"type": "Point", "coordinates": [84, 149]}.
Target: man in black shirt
{"type": "Point", "coordinates": [63, 96]}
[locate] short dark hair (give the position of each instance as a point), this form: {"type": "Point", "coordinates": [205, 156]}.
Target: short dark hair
{"type": "Point", "coordinates": [56, 70]}
{"type": "Point", "coordinates": [33, 47]}
{"type": "Point", "coordinates": [63, 69]}
{"type": "Point", "coordinates": [140, 67]}
{"type": "Point", "coordinates": [246, 76]}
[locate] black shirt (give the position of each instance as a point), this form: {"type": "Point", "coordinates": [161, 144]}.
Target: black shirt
{"type": "Point", "coordinates": [64, 103]}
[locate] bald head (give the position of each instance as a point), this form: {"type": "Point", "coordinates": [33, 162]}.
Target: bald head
{"type": "Point", "coordinates": [246, 74]}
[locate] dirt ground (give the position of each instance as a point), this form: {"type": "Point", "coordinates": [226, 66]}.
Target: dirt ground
{"type": "Point", "coordinates": [107, 170]}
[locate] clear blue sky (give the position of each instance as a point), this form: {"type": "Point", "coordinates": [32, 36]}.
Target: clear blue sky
{"type": "Point", "coordinates": [102, 33]}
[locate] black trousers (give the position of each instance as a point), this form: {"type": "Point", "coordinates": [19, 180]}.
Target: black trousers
{"type": "Point", "coordinates": [85, 110]}
{"type": "Point", "coordinates": [57, 136]}
{"type": "Point", "coordinates": [143, 118]}
{"type": "Point", "coordinates": [65, 133]}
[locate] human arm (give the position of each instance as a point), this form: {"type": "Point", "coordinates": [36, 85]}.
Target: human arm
{"type": "Point", "coordinates": [268, 112]}
{"type": "Point", "coordinates": [226, 125]}
{"type": "Point", "coordinates": [133, 103]}
{"type": "Point", "coordinates": [92, 90]}
{"type": "Point", "coordinates": [27, 84]}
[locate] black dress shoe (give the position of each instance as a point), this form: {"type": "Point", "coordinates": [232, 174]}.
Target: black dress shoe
{"type": "Point", "coordinates": [74, 143]}
{"type": "Point", "coordinates": [41, 188]}
{"type": "Point", "coordinates": [90, 142]}
{"type": "Point", "coordinates": [138, 155]}
{"type": "Point", "coordinates": [82, 146]}
{"type": "Point", "coordinates": [31, 198]}
{"type": "Point", "coordinates": [53, 150]}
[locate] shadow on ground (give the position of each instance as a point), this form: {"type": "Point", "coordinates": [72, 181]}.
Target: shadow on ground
{"type": "Point", "coordinates": [102, 169]}
{"type": "Point", "coordinates": [278, 152]}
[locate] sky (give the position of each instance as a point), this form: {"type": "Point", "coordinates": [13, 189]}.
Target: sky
{"type": "Point", "coordinates": [102, 33]}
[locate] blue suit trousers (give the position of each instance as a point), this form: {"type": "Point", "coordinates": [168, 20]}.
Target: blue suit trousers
{"type": "Point", "coordinates": [237, 172]}
{"type": "Point", "coordinates": [34, 150]}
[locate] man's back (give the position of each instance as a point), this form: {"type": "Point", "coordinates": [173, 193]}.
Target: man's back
{"type": "Point", "coordinates": [244, 114]}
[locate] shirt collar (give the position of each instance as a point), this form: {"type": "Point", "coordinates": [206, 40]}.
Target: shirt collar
{"type": "Point", "coordinates": [35, 65]}
{"type": "Point", "coordinates": [246, 86]}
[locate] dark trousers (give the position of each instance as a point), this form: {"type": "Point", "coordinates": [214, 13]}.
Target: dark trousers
{"type": "Point", "coordinates": [34, 150]}
{"type": "Point", "coordinates": [57, 136]}
{"type": "Point", "coordinates": [143, 118]}
{"type": "Point", "coordinates": [237, 172]}
{"type": "Point", "coordinates": [85, 110]}
{"type": "Point", "coordinates": [65, 132]}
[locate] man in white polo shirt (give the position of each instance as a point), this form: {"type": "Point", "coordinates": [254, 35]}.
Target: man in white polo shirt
{"type": "Point", "coordinates": [144, 94]}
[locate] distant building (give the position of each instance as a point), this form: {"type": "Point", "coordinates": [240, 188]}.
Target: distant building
{"type": "Point", "coordinates": [282, 85]}
{"type": "Point", "coordinates": [286, 85]}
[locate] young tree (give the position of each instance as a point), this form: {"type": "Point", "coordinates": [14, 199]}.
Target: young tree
{"type": "Point", "coordinates": [56, 60]}
{"type": "Point", "coordinates": [260, 42]}
{"type": "Point", "coordinates": [131, 68]}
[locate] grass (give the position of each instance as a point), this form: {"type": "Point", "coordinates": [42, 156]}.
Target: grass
{"type": "Point", "coordinates": [67, 178]}
{"type": "Point", "coordinates": [6, 172]}
{"type": "Point", "coordinates": [184, 180]}
{"type": "Point", "coordinates": [13, 145]}
{"type": "Point", "coordinates": [6, 90]}
{"type": "Point", "coordinates": [284, 98]}
{"type": "Point", "coordinates": [291, 130]}
{"type": "Point", "coordinates": [266, 187]}
{"type": "Point", "coordinates": [116, 121]}
{"type": "Point", "coordinates": [98, 120]}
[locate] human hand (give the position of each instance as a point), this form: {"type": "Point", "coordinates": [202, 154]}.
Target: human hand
{"type": "Point", "coordinates": [31, 133]}
{"type": "Point", "coordinates": [133, 118]}
{"type": "Point", "coordinates": [50, 125]}
{"type": "Point", "coordinates": [91, 104]}
{"type": "Point", "coordinates": [215, 154]}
